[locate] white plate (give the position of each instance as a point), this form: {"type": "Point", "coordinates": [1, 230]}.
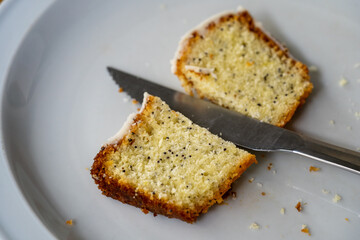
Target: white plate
{"type": "Point", "coordinates": [59, 105]}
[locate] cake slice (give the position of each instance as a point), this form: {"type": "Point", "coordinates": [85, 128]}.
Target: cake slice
{"type": "Point", "coordinates": [231, 61]}
{"type": "Point", "coordinates": [162, 162]}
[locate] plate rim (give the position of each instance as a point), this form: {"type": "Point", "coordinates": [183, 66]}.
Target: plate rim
{"type": "Point", "coordinates": [5, 7]}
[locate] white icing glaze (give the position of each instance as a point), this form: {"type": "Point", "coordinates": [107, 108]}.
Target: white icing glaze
{"type": "Point", "coordinates": [146, 96]}
{"type": "Point", "coordinates": [201, 70]}
{"type": "Point", "coordinates": [127, 125]}
{"type": "Point", "coordinates": [240, 9]}
{"type": "Point", "coordinates": [201, 29]}
{"type": "Point", "coordinates": [123, 131]}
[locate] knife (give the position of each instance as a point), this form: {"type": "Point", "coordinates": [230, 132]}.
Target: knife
{"type": "Point", "coordinates": [232, 126]}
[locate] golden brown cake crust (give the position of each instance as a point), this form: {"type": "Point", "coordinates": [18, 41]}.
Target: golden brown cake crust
{"type": "Point", "coordinates": [245, 18]}
{"type": "Point", "coordinates": [126, 193]}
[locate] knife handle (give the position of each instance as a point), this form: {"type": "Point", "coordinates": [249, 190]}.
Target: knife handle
{"type": "Point", "coordinates": [334, 155]}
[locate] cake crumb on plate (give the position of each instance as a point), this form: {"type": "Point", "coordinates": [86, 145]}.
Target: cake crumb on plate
{"type": "Point", "coordinates": [298, 206]}
{"type": "Point", "coordinates": [357, 115]}
{"type": "Point", "coordinates": [233, 194]}
{"type": "Point", "coordinates": [269, 166]}
{"type": "Point", "coordinates": [254, 226]}
{"type": "Point", "coordinates": [337, 198]}
{"type": "Point", "coordinates": [343, 82]}
{"type": "Point", "coordinates": [251, 180]}
{"type": "Point", "coordinates": [325, 191]}
{"type": "Point", "coordinates": [69, 222]}
{"type": "Point", "coordinates": [305, 229]}
{"type": "Point", "coordinates": [313, 169]}
{"type": "Point", "coordinates": [282, 211]}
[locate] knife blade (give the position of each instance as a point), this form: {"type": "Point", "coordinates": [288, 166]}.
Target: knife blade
{"type": "Point", "coordinates": [232, 126]}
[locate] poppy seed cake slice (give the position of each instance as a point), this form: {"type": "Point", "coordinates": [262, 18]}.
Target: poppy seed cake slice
{"type": "Point", "coordinates": [162, 162]}
{"type": "Point", "coordinates": [231, 61]}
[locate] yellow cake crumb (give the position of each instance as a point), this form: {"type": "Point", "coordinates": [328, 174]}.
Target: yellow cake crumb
{"type": "Point", "coordinates": [313, 169]}
{"type": "Point", "coordinates": [337, 198]}
{"type": "Point", "coordinates": [251, 180]}
{"type": "Point", "coordinates": [121, 89]}
{"type": "Point", "coordinates": [357, 115]}
{"type": "Point", "coordinates": [343, 82]}
{"type": "Point", "coordinates": [305, 229]}
{"type": "Point", "coordinates": [254, 226]}
{"type": "Point", "coordinates": [347, 219]}
{"type": "Point", "coordinates": [134, 101]}
{"type": "Point", "coordinates": [282, 211]}
{"type": "Point", "coordinates": [69, 222]}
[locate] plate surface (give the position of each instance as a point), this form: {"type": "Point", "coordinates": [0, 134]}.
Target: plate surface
{"type": "Point", "coordinates": [59, 105]}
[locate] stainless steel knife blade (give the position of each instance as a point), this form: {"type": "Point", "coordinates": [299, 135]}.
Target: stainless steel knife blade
{"type": "Point", "coordinates": [241, 130]}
